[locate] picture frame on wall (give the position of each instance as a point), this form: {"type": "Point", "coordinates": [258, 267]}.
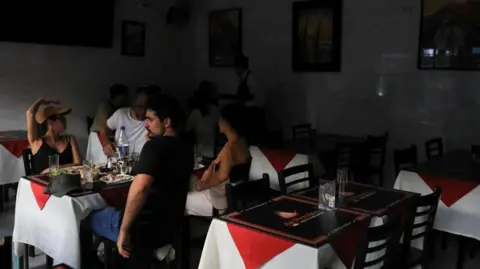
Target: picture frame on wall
{"type": "Point", "coordinates": [133, 38]}
{"type": "Point", "coordinates": [225, 36]}
{"type": "Point", "coordinates": [317, 36]}
{"type": "Point", "coordinates": [449, 35]}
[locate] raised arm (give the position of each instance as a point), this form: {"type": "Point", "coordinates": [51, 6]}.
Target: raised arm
{"type": "Point", "coordinates": [32, 126]}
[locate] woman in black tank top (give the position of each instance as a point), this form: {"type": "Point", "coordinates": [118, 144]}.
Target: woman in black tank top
{"type": "Point", "coordinates": [52, 120]}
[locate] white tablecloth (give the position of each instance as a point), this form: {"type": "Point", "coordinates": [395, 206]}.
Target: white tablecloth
{"type": "Point", "coordinates": [220, 252]}
{"type": "Point", "coordinates": [261, 164]}
{"type": "Point", "coordinates": [55, 229]}
{"type": "Point", "coordinates": [11, 167]}
{"type": "Point", "coordinates": [461, 218]}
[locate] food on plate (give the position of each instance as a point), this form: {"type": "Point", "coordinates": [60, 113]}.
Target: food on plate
{"type": "Point", "coordinates": [110, 178]}
{"type": "Point", "coordinates": [286, 215]}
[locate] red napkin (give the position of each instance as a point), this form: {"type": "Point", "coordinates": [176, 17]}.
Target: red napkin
{"type": "Point", "coordinates": [346, 244]}
{"type": "Point", "coordinates": [452, 189]}
{"type": "Point", "coordinates": [41, 197]}
{"type": "Point", "coordinates": [278, 158]}
{"type": "Point", "coordinates": [116, 197]}
{"type": "Point", "coordinates": [15, 147]}
{"type": "Point", "coordinates": [256, 248]}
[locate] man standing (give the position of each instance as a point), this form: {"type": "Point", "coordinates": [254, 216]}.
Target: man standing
{"type": "Point", "coordinates": [156, 199]}
{"type": "Point", "coordinates": [248, 91]}
{"type": "Point", "coordinates": [118, 99]}
{"type": "Point", "coordinates": [132, 119]}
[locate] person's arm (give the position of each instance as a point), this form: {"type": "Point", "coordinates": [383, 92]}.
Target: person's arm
{"type": "Point", "coordinates": [32, 126]}
{"type": "Point", "coordinates": [106, 132]}
{"type": "Point", "coordinates": [212, 178]}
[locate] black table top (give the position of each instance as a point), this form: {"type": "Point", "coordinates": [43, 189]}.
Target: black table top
{"type": "Point", "coordinates": [297, 220]}
{"type": "Point", "coordinates": [456, 164]}
{"type": "Point", "coordinates": [363, 198]}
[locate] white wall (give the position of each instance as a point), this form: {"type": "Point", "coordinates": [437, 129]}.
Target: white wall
{"type": "Point", "coordinates": [80, 76]}
{"type": "Point", "coordinates": [380, 43]}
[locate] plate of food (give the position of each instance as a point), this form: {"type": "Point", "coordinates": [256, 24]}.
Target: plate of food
{"type": "Point", "coordinates": [114, 179]}
{"type": "Point", "coordinates": [71, 170]}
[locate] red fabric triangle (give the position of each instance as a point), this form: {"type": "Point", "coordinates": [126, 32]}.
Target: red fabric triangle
{"type": "Point", "coordinates": [256, 248]}
{"type": "Point", "coordinates": [278, 158]}
{"type": "Point", "coordinates": [15, 147]}
{"type": "Point", "coordinates": [346, 244]}
{"type": "Point", "coordinates": [41, 197]}
{"type": "Point", "coordinates": [452, 189]}
{"type": "Point", "coordinates": [116, 197]}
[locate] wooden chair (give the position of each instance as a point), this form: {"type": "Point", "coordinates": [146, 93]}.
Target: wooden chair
{"type": "Point", "coordinates": [247, 193]}
{"type": "Point", "coordinates": [405, 158]}
{"type": "Point", "coordinates": [302, 130]}
{"type": "Point", "coordinates": [385, 237]}
{"type": "Point", "coordinates": [475, 150]}
{"type": "Point", "coordinates": [305, 168]}
{"type": "Point", "coordinates": [375, 149]}
{"type": "Point", "coordinates": [89, 124]}
{"type": "Point", "coordinates": [434, 148]}
{"type": "Point", "coordinates": [421, 218]}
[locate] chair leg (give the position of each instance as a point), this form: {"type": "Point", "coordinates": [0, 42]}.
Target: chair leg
{"type": "Point", "coordinates": [444, 241]}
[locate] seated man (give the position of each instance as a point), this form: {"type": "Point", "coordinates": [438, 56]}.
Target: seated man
{"type": "Point", "coordinates": [156, 199]}
{"type": "Point", "coordinates": [132, 119]}
{"type": "Point", "coordinates": [118, 99]}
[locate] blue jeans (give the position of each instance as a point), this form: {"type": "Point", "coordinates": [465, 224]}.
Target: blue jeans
{"type": "Point", "coordinates": [106, 222]}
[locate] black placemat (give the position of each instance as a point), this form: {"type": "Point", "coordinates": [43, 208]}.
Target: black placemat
{"type": "Point", "coordinates": [309, 225]}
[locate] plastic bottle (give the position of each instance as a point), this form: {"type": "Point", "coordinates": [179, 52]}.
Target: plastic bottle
{"type": "Point", "coordinates": [122, 144]}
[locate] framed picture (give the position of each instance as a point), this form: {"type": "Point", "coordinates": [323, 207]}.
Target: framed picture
{"type": "Point", "coordinates": [449, 35]}
{"type": "Point", "coordinates": [317, 35]}
{"type": "Point", "coordinates": [133, 38]}
{"type": "Point", "coordinates": [225, 36]}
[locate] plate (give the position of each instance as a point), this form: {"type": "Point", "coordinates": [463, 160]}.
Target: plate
{"type": "Point", "coordinates": [115, 179]}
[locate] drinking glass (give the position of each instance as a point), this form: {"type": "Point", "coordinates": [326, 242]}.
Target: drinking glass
{"type": "Point", "coordinates": [123, 166]}
{"type": "Point", "coordinates": [53, 165]}
{"type": "Point", "coordinates": [87, 171]}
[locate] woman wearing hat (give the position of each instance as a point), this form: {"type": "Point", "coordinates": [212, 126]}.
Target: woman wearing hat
{"type": "Point", "coordinates": [52, 119]}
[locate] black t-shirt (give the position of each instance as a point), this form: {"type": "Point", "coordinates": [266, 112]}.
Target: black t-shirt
{"type": "Point", "coordinates": [169, 161]}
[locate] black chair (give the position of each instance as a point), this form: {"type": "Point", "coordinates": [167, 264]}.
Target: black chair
{"type": "Point", "coordinates": [434, 148]}
{"type": "Point", "coordinates": [89, 123]}
{"type": "Point", "coordinates": [405, 158]}
{"type": "Point", "coordinates": [374, 152]}
{"type": "Point", "coordinates": [299, 169]}
{"type": "Point", "coordinates": [247, 193]}
{"type": "Point", "coordinates": [6, 253]}
{"type": "Point", "coordinates": [475, 150]}
{"type": "Point", "coordinates": [302, 130]}
{"type": "Point", "coordinates": [421, 218]}
{"type": "Point", "coordinates": [389, 236]}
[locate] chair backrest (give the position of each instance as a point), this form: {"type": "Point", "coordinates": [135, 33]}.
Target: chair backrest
{"type": "Point", "coordinates": [434, 148]}
{"type": "Point", "coordinates": [376, 147]}
{"type": "Point", "coordinates": [240, 172]}
{"type": "Point", "coordinates": [405, 158]}
{"type": "Point", "coordinates": [381, 241]}
{"type": "Point", "coordinates": [89, 123]}
{"type": "Point", "coordinates": [475, 150]}
{"type": "Point", "coordinates": [246, 194]}
{"type": "Point", "coordinates": [6, 252]}
{"type": "Point", "coordinates": [27, 161]}
{"type": "Point", "coordinates": [302, 130]}
{"type": "Point", "coordinates": [305, 168]}
{"type": "Point", "coordinates": [421, 219]}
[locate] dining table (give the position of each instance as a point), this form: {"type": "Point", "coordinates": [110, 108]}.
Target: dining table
{"type": "Point", "coordinates": [12, 144]}
{"type": "Point", "coordinates": [457, 174]}
{"type": "Point", "coordinates": [292, 231]}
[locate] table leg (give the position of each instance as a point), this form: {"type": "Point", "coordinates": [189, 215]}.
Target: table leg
{"type": "Point", "coordinates": [25, 257]}
{"type": "Point", "coordinates": [461, 252]}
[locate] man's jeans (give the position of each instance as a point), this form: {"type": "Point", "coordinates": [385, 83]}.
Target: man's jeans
{"type": "Point", "coordinates": [105, 222]}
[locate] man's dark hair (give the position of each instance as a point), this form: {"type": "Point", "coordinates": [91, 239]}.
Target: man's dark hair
{"type": "Point", "coordinates": [154, 89]}
{"type": "Point", "coordinates": [117, 89]}
{"type": "Point", "coordinates": [241, 60]}
{"type": "Point", "coordinates": [166, 106]}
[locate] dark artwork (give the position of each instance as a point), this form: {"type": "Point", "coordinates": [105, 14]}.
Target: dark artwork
{"type": "Point", "coordinates": [316, 35]}
{"type": "Point", "coordinates": [133, 38]}
{"type": "Point", "coordinates": [225, 36]}
{"type": "Point", "coordinates": [294, 219]}
{"type": "Point", "coordinates": [450, 35]}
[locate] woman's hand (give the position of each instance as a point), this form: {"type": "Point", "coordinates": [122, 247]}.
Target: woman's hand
{"type": "Point", "coordinates": [198, 186]}
{"type": "Point", "coordinates": [48, 101]}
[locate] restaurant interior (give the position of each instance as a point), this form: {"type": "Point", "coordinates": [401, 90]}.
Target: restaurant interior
{"type": "Point", "coordinates": [354, 117]}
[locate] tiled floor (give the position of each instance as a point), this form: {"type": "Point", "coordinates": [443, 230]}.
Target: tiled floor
{"type": "Point", "coordinates": [444, 259]}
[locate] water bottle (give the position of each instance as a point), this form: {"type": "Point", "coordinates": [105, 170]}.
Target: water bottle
{"type": "Point", "coordinates": [122, 144]}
